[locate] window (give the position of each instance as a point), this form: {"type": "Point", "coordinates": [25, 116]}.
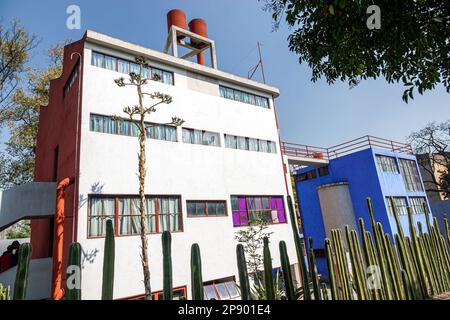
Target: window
{"type": "Point", "coordinates": [248, 208]}
{"type": "Point", "coordinates": [71, 79]}
{"type": "Point", "coordinates": [206, 208]}
{"type": "Point", "coordinates": [410, 175]}
{"type": "Point", "coordinates": [124, 66]}
{"type": "Point", "coordinates": [386, 164]}
{"type": "Point", "coordinates": [324, 171]}
{"type": "Point", "coordinates": [250, 144]}
{"type": "Point", "coordinates": [245, 97]}
{"type": "Point", "coordinates": [419, 205]}
{"type": "Point", "coordinates": [162, 213]}
{"type": "Point", "coordinates": [400, 204]}
{"type": "Point", "coordinates": [106, 124]}
{"type": "Point", "coordinates": [206, 138]}
{"type": "Point", "coordinates": [223, 289]}
{"type": "Point", "coordinates": [178, 294]}
{"type": "Point", "coordinates": [100, 210]}
{"type": "Point", "coordinates": [308, 175]}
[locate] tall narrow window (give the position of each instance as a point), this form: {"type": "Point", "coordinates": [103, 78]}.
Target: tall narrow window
{"type": "Point", "coordinates": [206, 138]}
{"type": "Point", "coordinates": [386, 164]}
{"type": "Point", "coordinates": [400, 204]}
{"type": "Point", "coordinates": [100, 210]}
{"type": "Point", "coordinates": [410, 175]}
{"type": "Point", "coordinates": [418, 205]}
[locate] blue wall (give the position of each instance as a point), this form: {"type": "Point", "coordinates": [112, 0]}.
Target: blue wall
{"type": "Point", "coordinates": [360, 171]}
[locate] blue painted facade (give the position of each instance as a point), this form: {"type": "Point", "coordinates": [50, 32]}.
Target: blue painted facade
{"type": "Point", "coordinates": [365, 179]}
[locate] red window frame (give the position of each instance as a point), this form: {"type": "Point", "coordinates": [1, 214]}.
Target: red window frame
{"type": "Point", "coordinates": [206, 208]}
{"type": "Point", "coordinates": [157, 293]}
{"type": "Point", "coordinates": [116, 213]}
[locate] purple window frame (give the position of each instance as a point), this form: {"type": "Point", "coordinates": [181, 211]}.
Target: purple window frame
{"type": "Point", "coordinates": [241, 215]}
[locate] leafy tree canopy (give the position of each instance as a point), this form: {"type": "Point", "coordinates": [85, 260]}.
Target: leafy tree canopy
{"type": "Point", "coordinates": [332, 37]}
{"type": "Point", "coordinates": [21, 117]}
{"type": "Point", "coordinates": [432, 144]}
{"type": "Point", "coordinates": [15, 44]}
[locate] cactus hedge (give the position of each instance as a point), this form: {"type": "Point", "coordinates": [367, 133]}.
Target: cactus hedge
{"type": "Point", "coordinates": [369, 265]}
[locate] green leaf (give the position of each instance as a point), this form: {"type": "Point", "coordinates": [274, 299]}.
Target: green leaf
{"type": "Point", "coordinates": [331, 9]}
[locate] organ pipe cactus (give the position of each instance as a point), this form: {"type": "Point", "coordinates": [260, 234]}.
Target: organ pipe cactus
{"type": "Point", "coordinates": [167, 265]}
{"type": "Point", "coordinates": [342, 266]}
{"type": "Point", "coordinates": [299, 250]}
{"type": "Point", "coordinates": [73, 274]}
{"type": "Point", "coordinates": [196, 273]}
{"type": "Point", "coordinates": [108, 263]}
{"type": "Point", "coordinates": [23, 266]}
{"type": "Point", "coordinates": [243, 273]}
{"type": "Point", "coordinates": [287, 275]}
{"type": "Point", "coordinates": [331, 270]}
{"type": "Point", "coordinates": [313, 270]}
{"type": "Point", "coordinates": [268, 275]}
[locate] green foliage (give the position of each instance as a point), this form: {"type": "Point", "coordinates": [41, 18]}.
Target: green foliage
{"type": "Point", "coordinates": [15, 45]}
{"type": "Point", "coordinates": [333, 39]}
{"type": "Point", "coordinates": [74, 261]}
{"type": "Point", "coordinates": [20, 230]}
{"type": "Point", "coordinates": [196, 273]}
{"type": "Point", "coordinates": [432, 145]}
{"type": "Point", "coordinates": [21, 282]}
{"type": "Point", "coordinates": [268, 275]}
{"type": "Point", "coordinates": [4, 292]}
{"type": "Point", "coordinates": [21, 117]}
{"type": "Point", "coordinates": [252, 239]}
{"type": "Point", "coordinates": [108, 263]}
{"type": "Point", "coordinates": [167, 265]}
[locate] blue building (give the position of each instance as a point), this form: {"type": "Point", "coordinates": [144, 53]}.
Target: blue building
{"type": "Point", "coordinates": [333, 194]}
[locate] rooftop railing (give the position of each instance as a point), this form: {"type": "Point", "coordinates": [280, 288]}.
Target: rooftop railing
{"type": "Point", "coordinates": [366, 142]}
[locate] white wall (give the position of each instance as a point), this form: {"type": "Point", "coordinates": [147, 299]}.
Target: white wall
{"type": "Point", "coordinates": [195, 172]}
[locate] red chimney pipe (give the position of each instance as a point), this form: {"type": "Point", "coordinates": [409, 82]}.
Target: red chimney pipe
{"type": "Point", "coordinates": [176, 17]}
{"type": "Point", "coordinates": [198, 26]}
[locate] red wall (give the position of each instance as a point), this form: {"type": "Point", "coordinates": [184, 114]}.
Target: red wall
{"type": "Point", "coordinates": [58, 129]}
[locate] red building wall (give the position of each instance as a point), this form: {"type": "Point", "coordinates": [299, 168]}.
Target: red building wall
{"type": "Point", "coordinates": [57, 149]}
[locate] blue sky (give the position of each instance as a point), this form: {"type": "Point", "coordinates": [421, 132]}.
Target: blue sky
{"type": "Point", "coordinates": [309, 113]}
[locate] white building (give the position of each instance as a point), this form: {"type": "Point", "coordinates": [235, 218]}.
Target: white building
{"type": "Point", "coordinates": [203, 180]}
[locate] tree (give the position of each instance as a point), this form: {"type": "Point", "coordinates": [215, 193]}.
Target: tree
{"type": "Point", "coordinates": [252, 240]}
{"type": "Point", "coordinates": [432, 144]}
{"type": "Point", "coordinates": [21, 229]}
{"type": "Point", "coordinates": [333, 38]}
{"type": "Point", "coordinates": [138, 80]}
{"type": "Point", "coordinates": [15, 44]}
{"type": "Point", "coordinates": [21, 117]}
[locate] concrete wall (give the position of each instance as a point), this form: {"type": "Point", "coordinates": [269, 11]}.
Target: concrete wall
{"type": "Point", "coordinates": [39, 279]}
{"type": "Point", "coordinates": [440, 208]}
{"type": "Point", "coordinates": [28, 201]}
{"type": "Point", "coordinates": [195, 172]}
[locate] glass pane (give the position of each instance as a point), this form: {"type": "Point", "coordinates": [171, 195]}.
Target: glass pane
{"type": "Point", "coordinates": [210, 293]}
{"type": "Point", "coordinates": [187, 135]}
{"type": "Point", "coordinates": [212, 208]}
{"type": "Point", "coordinates": [124, 66]}
{"type": "Point", "coordinates": [223, 292]}
{"type": "Point", "coordinates": [232, 289]}
{"type": "Point", "coordinates": [97, 59]}
{"type": "Point", "coordinates": [110, 63]}
{"type": "Point", "coordinates": [252, 144]}
{"type": "Point", "coordinates": [221, 208]}
{"type": "Point", "coordinates": [134, 67]}
{"type": "Point", "coordinates": [201, 208]}
{"type": "Point", "coordinates": [158, 74]}
{"type": "Point", "coordinates": [191, 211]}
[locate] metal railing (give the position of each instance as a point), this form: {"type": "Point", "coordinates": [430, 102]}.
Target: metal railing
{"type": "Point", "coordinates": [366, 142]}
